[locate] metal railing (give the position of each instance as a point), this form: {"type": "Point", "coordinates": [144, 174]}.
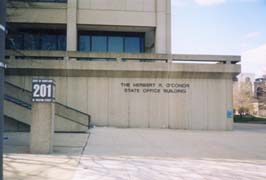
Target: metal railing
{"type": "Point", "coordinates": [18, 102]}
{"type": "Point", "coordinates": [121, 57]}
{"type": "Point", "coordinates": [21, 98]}
{"type": "Point", "coordinates": [59, 105]}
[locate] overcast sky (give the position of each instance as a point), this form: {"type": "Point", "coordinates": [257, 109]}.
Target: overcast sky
{"type": "Point", "coordinates": [230, 27]}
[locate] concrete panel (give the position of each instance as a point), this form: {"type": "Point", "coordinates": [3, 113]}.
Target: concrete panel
{"type": "Point", "coordinates": [84, 4]}
{"type": "Point", "coordinates": [134, 5]}
{"type": "Point", "coordinates": [118, 5]}
{"type": "Point", "coordinates": [77, 93]}
{"type": "Point", "coordinates": [107, 4]}
{"type": "Point", "coordinates": [163, 27]}
{"type": "Point", "coordinates": [37, 15]}
{"type": "Point", "coordinates": [216, 104]}
{"type": "Point", "coordinates": [161, 5]}
{"type": "Point", "coordinates": [198, 104]}
{"type": "Point", "coordinates": [178, 115]}
{"type": "Point", "coordinates": [139, 107]}
{"type": "Point", "coordinates": [98, 104]}
{"type": "Point", "coordinates": [158, 108]}
{"type": "Point", "coordinates": [149, 5]}
{"type": "Point", "coordinates": [61, 89]}
{"type": "Point", "coordinates": [118, 104]}
{"type": "Point", "coordinates": [72, 25]}
{"type": "Point", "coordinates": [119, 18]}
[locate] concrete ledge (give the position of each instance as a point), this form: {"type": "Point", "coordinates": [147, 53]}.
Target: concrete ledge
{"type": "Point", "coordinates": [231, 59]}
{"type": "Point", "coordinates": [120, 69]}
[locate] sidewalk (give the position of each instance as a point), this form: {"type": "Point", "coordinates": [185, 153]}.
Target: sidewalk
{"type": "Point", "coordinates": [125, 154]}
{"type": "Point", "coordinates": [61, 165]}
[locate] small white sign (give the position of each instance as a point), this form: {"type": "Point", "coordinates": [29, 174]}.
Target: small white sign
{"type": "Point", "coordinates": [43, 90]}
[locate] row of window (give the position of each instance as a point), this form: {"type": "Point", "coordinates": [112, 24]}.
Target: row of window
{"type": "Point", "coordinates": [111, 42]}
{"type": "Point", "coordinates": [88, 41]}
{"type": "Point", "coordinates": [37, 40]}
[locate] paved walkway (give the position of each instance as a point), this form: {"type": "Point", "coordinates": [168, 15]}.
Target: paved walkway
{"type": "Point", "coordinates": [174, 154]}
{"type": "Point", "coordinates": [129, 154]}
{"type": "Point", "coordinates": [61, 165]}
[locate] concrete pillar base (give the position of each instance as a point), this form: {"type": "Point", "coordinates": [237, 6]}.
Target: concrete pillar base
{"type": "Point", "coordinates": [42, 128]}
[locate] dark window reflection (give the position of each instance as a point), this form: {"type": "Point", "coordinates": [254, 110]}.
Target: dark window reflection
{"type": "Point", "coordinates": [99, 43]}
{"type": "Point", "coordinates": [84, 43]}
{"type": "Point", "coordinates": [111, 41]}
{"type": "Point", "coordinates": [31, 41]}
{"type": "Point", "coordinates": [115, 44]}
{"type": "Point", "coordinates": [15, 41]}
{"type": "Point", "coordinates": [132, 44]}
{"type": "Point", "coordinates": [48, 42]}
{"type": "Point", "coordinates": [61, 42]}
{"type": "Point", "coordinates": [36, 40]}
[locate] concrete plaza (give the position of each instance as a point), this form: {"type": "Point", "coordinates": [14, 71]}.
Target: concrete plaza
{"type": "Point", "coordinates": [112, 153]}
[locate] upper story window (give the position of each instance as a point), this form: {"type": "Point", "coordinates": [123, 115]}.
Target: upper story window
{"type": "Point", "coordinates": [111, 42]}
{"type": "Point", "coordinates": [37, 40]}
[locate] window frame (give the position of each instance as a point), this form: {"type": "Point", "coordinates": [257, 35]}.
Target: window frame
{"type": "Point", "coordinates": [140, 35]}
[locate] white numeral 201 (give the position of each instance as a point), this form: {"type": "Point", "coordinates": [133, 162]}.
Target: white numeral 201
{"type": "Point", "coordinates": [42, 90]}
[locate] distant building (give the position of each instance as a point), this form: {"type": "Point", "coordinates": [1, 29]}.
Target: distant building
{"type": "Point", "coordinates": [260, 94]}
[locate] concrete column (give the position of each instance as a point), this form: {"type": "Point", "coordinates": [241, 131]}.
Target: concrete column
{"type": "Point", "coordinates": [72, 25]}
{"type": "Point", "coordinates": [163, 42]}
{"type": "Point", "coordinates": [168, 27]}
{"type": "Point", "coordinates": [42, 128]}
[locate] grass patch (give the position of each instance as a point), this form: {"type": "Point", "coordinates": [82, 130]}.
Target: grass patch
{"type": "Point", "coordinates": [249, 119]}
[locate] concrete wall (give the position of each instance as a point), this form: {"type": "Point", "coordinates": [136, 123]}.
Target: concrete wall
{"type": "Point", "coordinates": [204, 105]}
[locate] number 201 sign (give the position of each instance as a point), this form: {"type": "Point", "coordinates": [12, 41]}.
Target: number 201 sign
{"type": "Point", "coordinates": [43, 90]}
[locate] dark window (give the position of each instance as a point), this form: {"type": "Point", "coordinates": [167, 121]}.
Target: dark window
{"type": "Point", "coordinates": [84, 43]}
{"type": "Point", "coordinates": [132, 44]}
{"type": "Point", "coordinates": [61, 42]}
{"type": "Point", "coordinates": [111, 41]}
{"type": "Point", "coordinates": [15, 41]}
{"type": "Point", "coordinates": [31, 41]}
{"type": "Point", "coordinates": [115, 44]}
{"type": "Point", "coordinates": [98, 43]}
{"type": "Point", "coordinates": [36, 40]}
{"type": "Point", "coordinates": [48, 42]}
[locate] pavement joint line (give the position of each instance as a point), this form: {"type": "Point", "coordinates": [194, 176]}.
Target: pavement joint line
{"type": "Point", "coordinates": [84, 147]}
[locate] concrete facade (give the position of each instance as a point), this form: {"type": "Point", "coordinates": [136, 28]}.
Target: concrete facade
{"type": "Point", "coordinates": [155, 89]}
{"type": "Point", "coordinates": [153, 17]}
{"type": "Point", "coordinates": [107, 102]}
{"type": "Point", "coordinates": [140, 94]}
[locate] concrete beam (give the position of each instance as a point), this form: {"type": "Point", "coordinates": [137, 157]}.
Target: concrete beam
{"type": "Point", "coordinates": [233, 59]}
